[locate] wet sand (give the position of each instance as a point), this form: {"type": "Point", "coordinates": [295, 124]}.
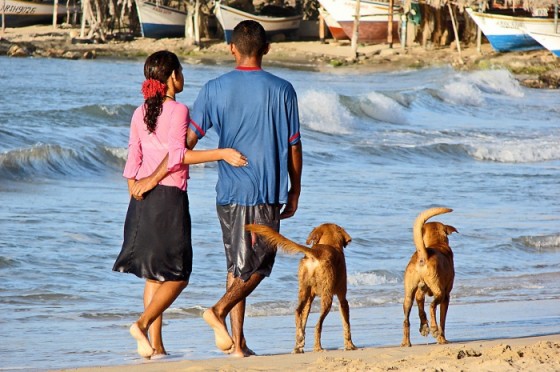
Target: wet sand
{"type": "Point", "coordinates": [518, 354]}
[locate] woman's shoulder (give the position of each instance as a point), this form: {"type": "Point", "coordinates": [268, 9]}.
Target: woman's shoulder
{"type": "Point", "coordinates": [177, 107]}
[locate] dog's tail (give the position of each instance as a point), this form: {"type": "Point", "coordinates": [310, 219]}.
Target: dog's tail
{"type": "Point", "coordinates": [274, 238]}
{"type": "Point", "coordinates": [417, 231]}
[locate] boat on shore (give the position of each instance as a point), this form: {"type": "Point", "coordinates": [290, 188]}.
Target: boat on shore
{"type": "Point", "coordinates": [229, 17]}
{"type": "Point", "coordinates": [158, 21]}
{"type": "Point", "coordinates": [549, 40]}
{"type": "Point", "coordinates": [334, 27]}
{"type": "Point", "coordinates": [374, 18]}
{"type": "Point", "coordinates": [507, 33]}
{"type": "Point", "coordinates": [20, 13]}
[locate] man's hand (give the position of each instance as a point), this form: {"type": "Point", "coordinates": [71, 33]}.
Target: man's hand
{"type": "Point", "coordinates": [291, 206]}
{"type": "Point", "coordinates": [141, 187]}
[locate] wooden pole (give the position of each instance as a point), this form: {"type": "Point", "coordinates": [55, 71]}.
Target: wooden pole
{"type": "Point", "coordinates": [3, 17]}
{"type": "Point", "coordinates": [390, 25]}
{"type": "Point", "coordinates": [355, 30]}
{"type": "Point", "coordinates": [55, 14]}
{"type": "Point", "coordinates": [454, 23]}
{"type": "Point", "coordinates": [321, 29]}
{"type": "Point", "coordinates": [197, 23]}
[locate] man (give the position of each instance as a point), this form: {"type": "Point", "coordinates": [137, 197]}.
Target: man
{"type": "Point", "coordinates": [256, 113]}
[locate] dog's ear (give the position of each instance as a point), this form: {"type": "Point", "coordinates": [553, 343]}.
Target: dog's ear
{"type": "Point", "coordinates": [347, 238]}
{"type": "Point", "coordinates": [314, 236]}
{"type": "Point", "coordinates": [450, 229]}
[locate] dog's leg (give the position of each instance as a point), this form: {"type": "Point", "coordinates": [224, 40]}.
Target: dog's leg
{"type": "Point", "coordinates": [433, 320]}
{"type": "Point", "coordinates": [420, 300]}
{"type": "Point", "coordinates": [407, 306]}
{"type": "Point", "coordinates": [326, 303]}
{"type": "Point", "coordinates": [302, 313]}
{"type": "Point", "coordinates": [442, 316]}
{"type": "Point", "coordinates": [345, 314]}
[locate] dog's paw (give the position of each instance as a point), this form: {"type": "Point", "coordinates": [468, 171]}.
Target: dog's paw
{"type": "Point", "coordinates": [406, 344]}
{"type": "Point", "coordinates": [297, 350]}
{"type": "Point", "coordinates": [442, 341]}
{"type": "Point", "coordinates": [318, 349]}
{"type": "Point", "coordinates": [435, 332]}
{"type": "Point", "coordinates": [350, 346]}
{"type": "Point", "coordinates": [424, 330]}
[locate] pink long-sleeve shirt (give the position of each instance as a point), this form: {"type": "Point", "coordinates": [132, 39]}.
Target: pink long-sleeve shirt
{"type": "Point", "coordinates": [146, 150]}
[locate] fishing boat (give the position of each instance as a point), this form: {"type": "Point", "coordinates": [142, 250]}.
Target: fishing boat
{"type": "Point", "coordinates": [20, 13]}
{"type": "Point", "coordinates": [334, 27]}
{"type": "Point", "coordinates": [229, 17]}
{"type": "Point", "coordinates": [374, 18]}
{"type": "Point", "coordinates": [549, 40]}
{"type": "Point", "coordinates": [510, 33]}
{"type": "Point", "coordinates": [159, 21]}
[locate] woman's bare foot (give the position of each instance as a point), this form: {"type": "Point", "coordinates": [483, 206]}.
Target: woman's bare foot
{"type": "Point", "coordinates": [221, 335]}
{"type": "Point", "coordinates": [144, 348]}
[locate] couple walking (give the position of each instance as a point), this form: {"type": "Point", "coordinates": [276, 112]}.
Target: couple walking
{"type": "Point", "coordinates": [255, 115]}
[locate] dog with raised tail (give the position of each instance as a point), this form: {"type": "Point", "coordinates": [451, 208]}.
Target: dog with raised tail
{"type": "Point", "coordinates": [430, 272]}
{"type": "Point", "coordinates": [322, 272]}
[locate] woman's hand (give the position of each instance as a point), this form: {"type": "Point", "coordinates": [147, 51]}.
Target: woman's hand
{"type": "Point", "coordinates": [234, 157]}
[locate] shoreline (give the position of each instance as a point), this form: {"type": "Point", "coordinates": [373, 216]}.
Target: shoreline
{"type": "Point", "coordinates": [539, 353]}
{"type": "Point", "coordinates": [535, 69]}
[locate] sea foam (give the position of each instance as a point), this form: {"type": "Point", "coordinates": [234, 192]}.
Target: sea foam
{"type": "Point", "coordinates": [323, 112]}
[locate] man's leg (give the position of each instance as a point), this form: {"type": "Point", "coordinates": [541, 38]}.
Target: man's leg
{"type": "Point", "coordinates": [236, 292]}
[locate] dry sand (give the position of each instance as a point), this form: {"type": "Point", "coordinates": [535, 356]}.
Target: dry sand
{"type": "Point", "coordinates": [540, 354]}
{"type": "Point", "coordinates": [536, 69]}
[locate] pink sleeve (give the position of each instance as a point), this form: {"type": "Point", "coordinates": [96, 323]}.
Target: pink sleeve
{"type": "Point", "coordinates": [134, 159]}
{"type": "Point", "coordinates": [177, 137]}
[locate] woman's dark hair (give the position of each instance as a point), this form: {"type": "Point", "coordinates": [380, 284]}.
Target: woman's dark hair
{"type": "Point", "coordinates": [158, 66]}
{"type": "Point", "coordinates": [249, 37]}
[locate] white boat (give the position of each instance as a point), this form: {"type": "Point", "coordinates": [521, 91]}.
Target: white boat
{"type": "Point", "coordinates": [229, 18]}
{"type": "Point", "coordinates": [158, 21]}
{"type": "Point", "coordinates": [374, 18]}
{"type": "Point", "coordinates": [510, 33]}
{"type": "Point", "coordinates": [334, 27]}
{"type": "Point", "coordinates": [550, 41]}
{"type": "Point", "coordinates": [19, 13]}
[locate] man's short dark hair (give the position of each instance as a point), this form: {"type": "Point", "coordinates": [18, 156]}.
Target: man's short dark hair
{"type": "Point", "coordinates": [249, 38]}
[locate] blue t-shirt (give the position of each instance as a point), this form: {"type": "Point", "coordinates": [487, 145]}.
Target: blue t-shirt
{"type": "Point", "coordinates": [255, 113]}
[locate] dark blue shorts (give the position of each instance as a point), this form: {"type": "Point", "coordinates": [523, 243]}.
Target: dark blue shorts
{"type": "Point", "coordinates": [247, 254]}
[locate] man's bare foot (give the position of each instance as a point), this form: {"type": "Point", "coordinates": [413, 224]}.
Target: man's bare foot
{"type": "Point", "coordinates": [245, 352]}
{"type": "Point", "coordinates": [221, 335]}
{"type": "Point", "coordinates": [144, 348]}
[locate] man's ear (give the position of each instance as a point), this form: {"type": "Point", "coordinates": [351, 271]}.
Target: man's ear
{"type": "Point", "coordinates": [266, 49]}
{"type": "Point", "coordinates": [232, 48]}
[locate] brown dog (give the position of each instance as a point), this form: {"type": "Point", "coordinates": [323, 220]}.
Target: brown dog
{"type": "Point", "coordinates": [322, 272]}
{"type": "Point", "coordinates": [430, 272]}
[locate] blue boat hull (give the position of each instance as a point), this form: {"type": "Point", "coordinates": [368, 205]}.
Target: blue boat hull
{"type": "Point", "coordinates": [509, 43]}
{"type": "Point", "coordinates": [157, 31]}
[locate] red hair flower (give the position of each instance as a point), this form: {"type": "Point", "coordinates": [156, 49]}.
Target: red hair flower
{"type": "Point", "coordinates": [153, 87]}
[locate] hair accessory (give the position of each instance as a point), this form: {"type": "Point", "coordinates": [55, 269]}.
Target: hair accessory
{"type": "Point", "coordinates": [153, 87]}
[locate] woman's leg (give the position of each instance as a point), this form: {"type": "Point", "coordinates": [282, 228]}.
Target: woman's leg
{"type": "Point", "coordinates": [154, 331]}
{"type": "Point", "coordinates": [162, 298]}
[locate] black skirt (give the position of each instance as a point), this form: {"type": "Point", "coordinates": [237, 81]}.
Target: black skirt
{"type": "Point", "coordinates": [157, 236]}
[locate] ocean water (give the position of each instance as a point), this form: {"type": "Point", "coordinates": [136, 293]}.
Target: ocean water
{"type": "Point", "coordinates": [378, 149]}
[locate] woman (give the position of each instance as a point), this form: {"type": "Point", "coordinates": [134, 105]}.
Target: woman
{"type": "Point", "coordinates": [157, 231]}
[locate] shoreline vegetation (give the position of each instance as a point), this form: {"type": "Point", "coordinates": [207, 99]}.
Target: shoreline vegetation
{"type": "Point", "coordinates": [535, 69]}
{"type": "Point", "coordinates": [541, 353]}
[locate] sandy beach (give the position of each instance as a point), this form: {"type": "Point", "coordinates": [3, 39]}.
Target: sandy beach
{"type": "Point", "coordinates": [518, 354]}
{"type": "Point", "coordinates": [537, 69]}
